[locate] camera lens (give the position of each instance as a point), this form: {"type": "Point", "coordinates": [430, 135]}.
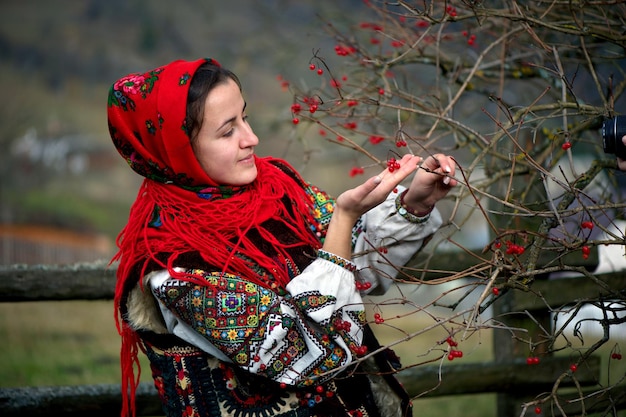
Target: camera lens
{"type": "Point", "coordinates": [612, 132]}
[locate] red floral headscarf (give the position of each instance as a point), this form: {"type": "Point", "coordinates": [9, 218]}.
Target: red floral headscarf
{"type": "Point", "coordinates": [180, 210]}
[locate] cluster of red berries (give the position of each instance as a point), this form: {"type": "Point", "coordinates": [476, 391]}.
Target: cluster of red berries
{"type": "Point", "coordinates": [343, 50]}
{"type": "Point", "coordinates": [378, 319]}
{"type": "Point", "coordinates": [319, 71]}
{"type": "Point", "coordinates": [350, 125]}
{"type": "Point", "coordinates": [586, 251]}
{"type": "Point", "coordinates": [616, 356]}
{"type": "Point", "coordinates": [393, 164]}
{"type": "Point", "coordinates": [454, 353]}
{"type": "Point", "coordinates": [513, 248]}
{"type": "Point", "coordinates": [400, 143]}
{"type": "Point", "coordinates": [342, 325]}
{"type": "Point", "coordinates": [296, 108]}
{"type": "Point", "coordinates": [375, 140]}
{"type": "Point", "coordinates": [451, 11]}
{"type": "Point", "coordinates": [374, 26]}
{"type": "Point", "coordinates": [471, 39]}
{"type": "Point", "coordinates": [532, 360]}
{"type": "Point", "coordinates": [359, 350]}
{"type": "Point", "coordinates": [363, 286]}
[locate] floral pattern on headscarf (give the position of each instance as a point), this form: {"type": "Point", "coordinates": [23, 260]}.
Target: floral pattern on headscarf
{"type": "Point", "coordinates": [155, 146]}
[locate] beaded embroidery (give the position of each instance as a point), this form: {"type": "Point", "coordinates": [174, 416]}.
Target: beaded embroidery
{"type": "Point", "coordinates": [402, 211]}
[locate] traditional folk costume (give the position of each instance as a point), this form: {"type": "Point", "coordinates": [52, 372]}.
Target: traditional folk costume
{"type": "Point", "coordinates": [226, 289]}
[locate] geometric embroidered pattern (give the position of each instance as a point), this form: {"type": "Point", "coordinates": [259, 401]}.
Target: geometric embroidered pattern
{"type": "Point", "coordinates": [263, 332]}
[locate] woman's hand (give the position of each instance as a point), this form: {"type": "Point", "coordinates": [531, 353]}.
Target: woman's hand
{"type": "Point", "coordinates": [357, 201]}
{"type": "Point", "coordinates": [431, 183]}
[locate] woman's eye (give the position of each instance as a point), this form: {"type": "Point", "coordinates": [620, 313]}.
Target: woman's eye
{"type": "Point", "coordinates": [229, 133]}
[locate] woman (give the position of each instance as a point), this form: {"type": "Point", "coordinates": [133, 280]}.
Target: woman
{"type": "Point", "coordinates": [236, 277]}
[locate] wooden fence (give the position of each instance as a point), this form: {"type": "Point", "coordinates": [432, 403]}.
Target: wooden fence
{"type": "Point", "coordinates": [508, 375]}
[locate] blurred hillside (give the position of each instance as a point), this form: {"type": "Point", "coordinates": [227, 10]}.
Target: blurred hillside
{"type": "Point", "coordinates": [57, 60]}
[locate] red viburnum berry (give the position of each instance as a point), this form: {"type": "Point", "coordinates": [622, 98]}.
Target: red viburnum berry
{"type": "Point", "coordinates": [566, 145]}
{"type": "Point", "coordinates": [378, 318]}
{"type": "Point", "coordinates": [573, 367]}
{"type": "Point", "coordinates": [312, 67]}
{"type": "Point", "coordinates": [587, 225]}
{"type": "Point", "coordinates": [586, 250]}
{"type": "Point", "coordinates": [356, 171]}
{"type": "Point", "coordinates": [495, 291]}
{"type": "Point", "coordinates": [532, 360]}
{"type": "Point", "coordinates": [537, 410]}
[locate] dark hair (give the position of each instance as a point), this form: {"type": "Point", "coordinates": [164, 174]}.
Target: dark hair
{"type": "Point", "coordinates": [206, 77]}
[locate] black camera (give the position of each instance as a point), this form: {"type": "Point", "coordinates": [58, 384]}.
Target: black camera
{"type": "Point", "coordinates": [612, 132]}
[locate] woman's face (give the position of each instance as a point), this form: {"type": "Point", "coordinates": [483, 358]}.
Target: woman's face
{"type": "Point", "coordinates": [225, 143]}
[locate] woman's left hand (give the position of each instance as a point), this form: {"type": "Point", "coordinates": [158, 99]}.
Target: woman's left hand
{"type": "Point", "coordinates": [432, 182]}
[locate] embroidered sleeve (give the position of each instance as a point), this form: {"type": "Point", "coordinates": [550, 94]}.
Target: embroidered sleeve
{"type": "Point", "coordinates": [387, 241]}
{"type": "Point", "coordinates": [299, 338]}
